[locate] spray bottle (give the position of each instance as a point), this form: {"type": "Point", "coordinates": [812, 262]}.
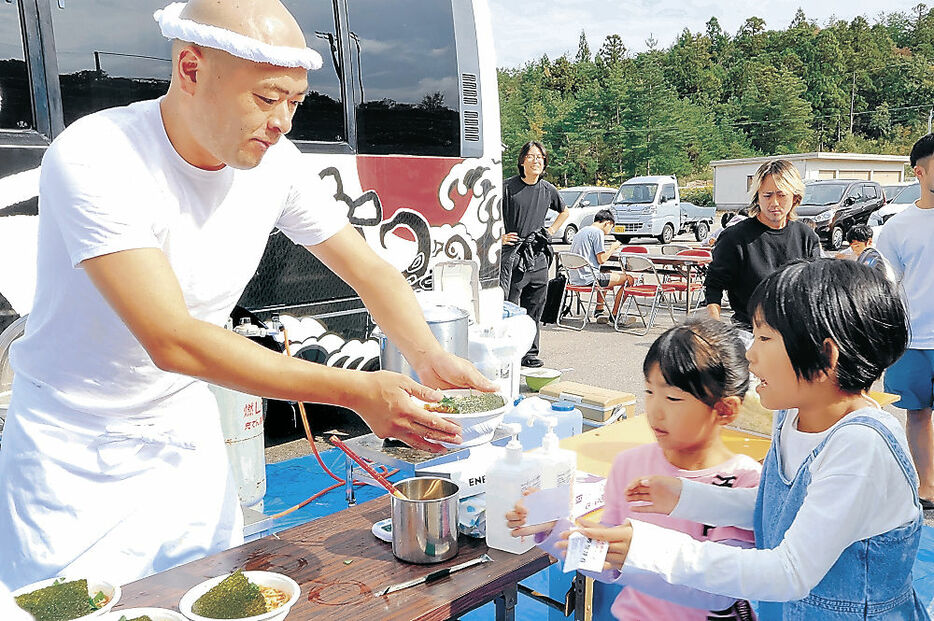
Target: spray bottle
{"type": "Point", "coordinates": [506, 481]}
{"type": "Point", "coordinates": [558, 466]}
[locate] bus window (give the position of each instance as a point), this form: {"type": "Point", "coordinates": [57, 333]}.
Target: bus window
{"type": "Point", "coordinates": [321, 115]}
{"type": "Point", "coordinates": [109, 54]}
{"type": "Point", "coordinates": [406, 78]}
{"type": "Point", "coordinates": [15, 96]}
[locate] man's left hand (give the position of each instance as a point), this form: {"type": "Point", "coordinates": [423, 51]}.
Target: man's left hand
{"type": "Point", "coordinates": [619, 538]}
{"type": "Point", "coordinates": [445, 370]}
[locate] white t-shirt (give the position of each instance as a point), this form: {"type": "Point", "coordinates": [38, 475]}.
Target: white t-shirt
{"type": "Point", "coordinates": [112, 181]}
{"type": "Point", "coordinates": [857, 490]}
{"type": "Point", "coordinates": [905, 242]}
{"type": "Point", "coordinates": [110, 466]}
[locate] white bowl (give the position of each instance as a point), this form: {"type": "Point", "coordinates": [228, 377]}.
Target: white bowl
{"type": "Point", "coordinates": [156, 614]}
{"type": "Point", "coordinates": [94, 585]}
{"type": "Point", "coordinates": [476, 428]}
{"type": "Point", "coordinates": [261, 578]}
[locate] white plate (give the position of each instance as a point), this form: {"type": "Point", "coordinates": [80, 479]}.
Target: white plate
{"type": "Point", "coordinates": [94, 585]}
{"type": "Point", "coordinates": [260, 578]}
{"type": "Point", "coordinates": [156, 614]}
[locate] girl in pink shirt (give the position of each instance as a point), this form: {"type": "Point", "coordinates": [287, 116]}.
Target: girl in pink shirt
{"type": "Point", "coordinates": [696, 375]}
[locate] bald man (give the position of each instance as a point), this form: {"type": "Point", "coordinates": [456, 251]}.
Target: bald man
{"type": "Point", "coordinates": [153, 217]}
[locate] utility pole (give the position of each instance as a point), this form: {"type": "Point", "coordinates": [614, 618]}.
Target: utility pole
{"type": "Point", "coordinates": [930, 116]}
{"type": "Point", "coordinates": [852, 100]}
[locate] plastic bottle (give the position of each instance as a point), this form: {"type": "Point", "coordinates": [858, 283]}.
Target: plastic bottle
{"type": "Point", "coordinates": [570, 420]}
{"type": "Point", "coordinates": [506, 480]}
{"type": "Point", "coordinates": [558, 465]}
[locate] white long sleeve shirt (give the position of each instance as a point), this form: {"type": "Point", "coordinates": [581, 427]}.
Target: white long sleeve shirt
{"type": "Point", "coordinates": [857, 490]}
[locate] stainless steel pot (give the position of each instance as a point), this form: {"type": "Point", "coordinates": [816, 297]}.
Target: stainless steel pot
{"type": "Point", "coordinates": [424, 527]}
{"type": "Point", "coordinates": [447, 323]}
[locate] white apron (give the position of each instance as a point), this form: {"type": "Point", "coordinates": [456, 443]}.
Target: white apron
{"type": "Point", "coordinates": [108, 497]}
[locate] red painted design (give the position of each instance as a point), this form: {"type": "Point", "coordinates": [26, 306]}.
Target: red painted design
{"type": "Point", "coordinates": [411, 182]}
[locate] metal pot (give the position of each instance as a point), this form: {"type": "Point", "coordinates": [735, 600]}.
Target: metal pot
{"type": "Point", "coordinates": [424, 527]}
{"type": "Point", "coordinates": [447, 323]}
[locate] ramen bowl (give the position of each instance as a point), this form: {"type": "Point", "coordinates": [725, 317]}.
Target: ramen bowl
{"type": "Point", "coordinates": [476, 427]}
{"type": "Point", "coordinates": [259, 578]}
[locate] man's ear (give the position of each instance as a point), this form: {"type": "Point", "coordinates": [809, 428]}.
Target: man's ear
{"type": "Point", "coordinates": [188, 65]}
{"type": "Point", "coordinates": [727, 409]}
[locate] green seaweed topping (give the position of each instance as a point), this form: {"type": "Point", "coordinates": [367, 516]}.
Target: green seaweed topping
{"type": "Point", "coordinates": [480, 402]}
{"type": "Point", "coordinates": [61, 601]}
{"type": "Point", "coordinates": [234, 597]}
{"type": "Point", "coordinates": [143, 618]}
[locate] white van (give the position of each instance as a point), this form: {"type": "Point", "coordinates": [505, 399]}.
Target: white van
{"type": "Point", "coordinates": [583, 203]}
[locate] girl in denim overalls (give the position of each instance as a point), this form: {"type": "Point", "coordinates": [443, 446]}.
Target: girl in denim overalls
{"type": "Point", "coordinates": [836, 515]}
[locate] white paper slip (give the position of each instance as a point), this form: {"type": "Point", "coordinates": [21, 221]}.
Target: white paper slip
{"type": "Point", "coordinates": [585, 554]}
{"type": "Point", "coordinates": [547, 505]}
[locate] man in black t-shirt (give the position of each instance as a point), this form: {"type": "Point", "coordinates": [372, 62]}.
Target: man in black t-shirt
{"type": "Point", "coordinates": [524, 261]}
{"type": "Point", "coordinates": [747, 252]}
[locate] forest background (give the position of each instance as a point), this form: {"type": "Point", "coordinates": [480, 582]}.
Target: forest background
{"type": "Point", "coordinates": [857, 86]}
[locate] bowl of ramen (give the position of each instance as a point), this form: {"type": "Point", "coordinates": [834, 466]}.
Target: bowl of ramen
{"type": "Point", "coordinates": [242, 595]}
{"type": "Point", "coordinates": [142, 614]}
{"type": "Point", "coordinates": [67, 598]}
{"type": "Point", "coordinates": [478, 413]}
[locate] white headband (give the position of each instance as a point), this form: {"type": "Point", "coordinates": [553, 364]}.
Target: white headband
{"type": "Point", "coordinates": [174, 26]}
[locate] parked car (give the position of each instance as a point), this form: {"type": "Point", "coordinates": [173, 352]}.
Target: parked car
{"type": "Point", "coordinates": [892, 190]}
{"type": "Point", "coordinates": [908, 195]}
{"type": "Point", "coordinates": [833, 206]}
{"type": "Point", "coordinates": [652, 207]}
{"type": "Point", "coordinates": [583, 201]}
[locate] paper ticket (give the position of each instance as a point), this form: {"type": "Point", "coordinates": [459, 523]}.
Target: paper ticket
{"type": "Point", "coordinates": [585, 554]}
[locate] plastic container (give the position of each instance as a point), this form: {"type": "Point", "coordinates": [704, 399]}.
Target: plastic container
{"type": "Point", "coordinates": [506, 481]}
{"type": "Point", "coordinates": [569, 420]}
{"type": "Point", "coordinates": [494, 356]}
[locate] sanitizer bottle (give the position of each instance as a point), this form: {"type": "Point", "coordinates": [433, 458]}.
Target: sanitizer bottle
{"type": "Point", "coordinates": [506, 481]}
{"type": "Point", "coordinates": [558, 465]}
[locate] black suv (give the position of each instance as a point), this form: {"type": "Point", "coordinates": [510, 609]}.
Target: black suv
{"type": "Point", "coordinates": [833, 206]}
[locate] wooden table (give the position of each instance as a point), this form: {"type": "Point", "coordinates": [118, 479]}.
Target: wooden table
{"type": "Point", "coordinates": [340, 566]}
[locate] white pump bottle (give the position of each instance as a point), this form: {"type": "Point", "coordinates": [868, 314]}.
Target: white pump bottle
{"type": "Point", "coordinates": [506, 480]}
{"type": "Point", "coordinates": [558, 465]}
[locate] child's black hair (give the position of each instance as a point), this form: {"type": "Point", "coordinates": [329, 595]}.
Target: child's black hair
{"type": "Point", "coordinates": [703, 357]}
{"type": "Point", "coordinates": [853, 305]}
{"type": "Point", "coordinates": [859, 233]}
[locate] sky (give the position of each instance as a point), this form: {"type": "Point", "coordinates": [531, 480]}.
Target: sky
{"type": "Point", "coordinates": [524, 30]}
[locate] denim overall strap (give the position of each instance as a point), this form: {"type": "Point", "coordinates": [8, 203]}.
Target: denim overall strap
{"type": "Point", "coordinates": [872, 578]}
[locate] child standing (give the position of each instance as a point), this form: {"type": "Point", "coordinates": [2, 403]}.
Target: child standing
{"type": "Point", "coordinates": [696, 376]}
{"type": "Point", "coordinates": [836, 514]}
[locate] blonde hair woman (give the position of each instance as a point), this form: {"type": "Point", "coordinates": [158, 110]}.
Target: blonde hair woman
{"type": "Point", "coordinates": [747, 252]}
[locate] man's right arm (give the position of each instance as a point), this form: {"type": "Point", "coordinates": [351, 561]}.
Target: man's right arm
{"type": "Point", "coordinates": [157, 316]}
{"type": "Point", "coordinates": [719, 273]}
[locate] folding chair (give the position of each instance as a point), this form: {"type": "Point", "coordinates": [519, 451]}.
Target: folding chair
{"type": "Point", "coordinates": [669, 249]}
{"type": "Point", "coordinates": [658, 292]}
{"type": "Point", "coordinates": [633, 250]}
{"type": "Point", "coordinates": [575, 263]}
{"type": "Point", "coordinates": [681, 285]}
